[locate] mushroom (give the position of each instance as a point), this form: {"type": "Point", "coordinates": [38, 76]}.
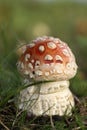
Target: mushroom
{"type": "Point", "coordinates": [47, 58]}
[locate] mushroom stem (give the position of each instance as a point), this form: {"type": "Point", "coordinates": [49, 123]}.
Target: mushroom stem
{"type": "Point", "coordinates": [52, 98]}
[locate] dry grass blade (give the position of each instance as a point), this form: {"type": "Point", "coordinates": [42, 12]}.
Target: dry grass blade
{"type": "Point", "coordinates": [77, 128]}
{"type": "Point", "coordinates": [52, 123]}
{"type": "Point", "coordinates": [4, 125]}
{"type": "Point", "coordinates": [77, 99]}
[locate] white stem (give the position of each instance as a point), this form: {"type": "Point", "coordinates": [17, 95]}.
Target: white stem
{"type": "Point", "coordinates": [52, 98]}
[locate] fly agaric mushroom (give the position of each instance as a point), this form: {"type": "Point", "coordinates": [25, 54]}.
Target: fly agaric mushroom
{"type": "Point", "coordinates": [47, 58]}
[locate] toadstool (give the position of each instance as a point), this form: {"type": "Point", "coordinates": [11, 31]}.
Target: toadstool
{"type": "Point", "coordinates": [47, 58]}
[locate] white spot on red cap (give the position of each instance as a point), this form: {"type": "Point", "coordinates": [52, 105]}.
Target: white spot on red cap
{"type": "Point", "coordinates": [67, 71]}
{"type": "Point", "coordinates": [31, 75]}
{"type": "Point", "coordinates": [26, 72]}
{"type": "Point", "coordinates": [66, 52]}
{"type": "Point", "coordinates": [41, 48]}
{"type": "Point", "coordinates": [31, 45]}
{"type": "Point", "coordinates": [61, 45]}
{"type": "Point", "coordinates": [51, 45]}
{"type": "Point", "coordinates": [48, 57]}
{"type": "Point", "coordinates": [57, 40]}
{"type": "Point", "coordinates": [37, 62]}
{"type": "Point", "coordinates": [47, 73]}
{"type": "Point", "coordinates": [59, 71]}
{"type": "Point", "coordinates": [71, 65]}
{"type": "Point", "coordinates": [52, 71]}
{"type": "Point", "coordinates": [58, 57]}
{"type": "Point", "coordinates": [38, 72]}
{"type": "Point", "coordinates": [27, 56]}
{"type": "Point", "coordinates": [68, 65]}
{"type": "Point", "coordinates": [30, 65]}
{"type": "Point", "coordinates": [32, 61]}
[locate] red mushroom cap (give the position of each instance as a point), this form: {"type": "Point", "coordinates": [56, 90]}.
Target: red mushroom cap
{"type": "Point", "coordinates": [47, 58]}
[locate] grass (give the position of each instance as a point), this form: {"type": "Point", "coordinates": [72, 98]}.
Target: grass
{"type": "Point", "coordinates": [12, 119]}
{"type": "Point", "coordinates": [18, 21]}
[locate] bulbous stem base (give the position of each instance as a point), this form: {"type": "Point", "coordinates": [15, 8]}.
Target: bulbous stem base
{"type": "Point", "coordinates": [53, 98]}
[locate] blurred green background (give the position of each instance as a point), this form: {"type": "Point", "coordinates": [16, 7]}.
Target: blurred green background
{"type": "Point", "coordinates": [24, 20]}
